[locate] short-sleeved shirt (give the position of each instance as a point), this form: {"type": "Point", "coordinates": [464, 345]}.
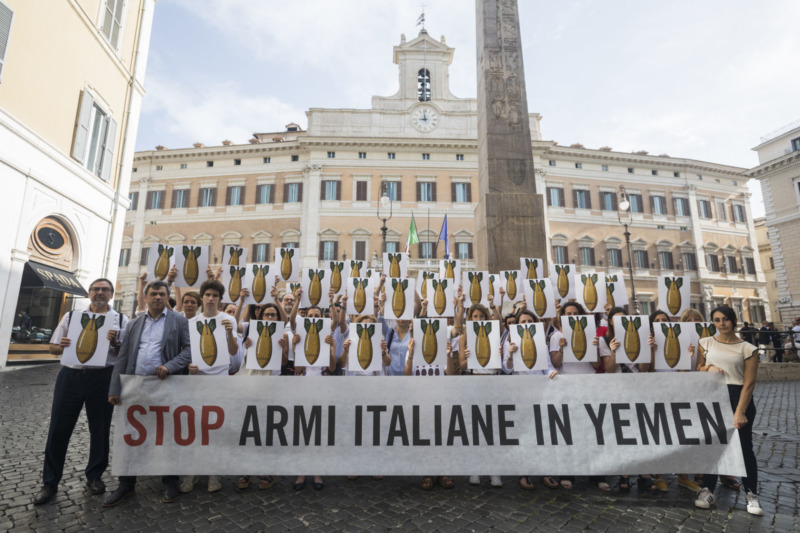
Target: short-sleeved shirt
{"type": "Point", "coordinates": [728, 357]}
{"type": "Point", "coordinates": [569, 368]}
{"type": "Point", "coordinates": [120, 324]}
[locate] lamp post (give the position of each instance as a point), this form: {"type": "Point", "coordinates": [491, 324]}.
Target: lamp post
{"type": "Point", "coordinates": [383, 203]}
{"type": "Point", "coordinates": [625, 218]}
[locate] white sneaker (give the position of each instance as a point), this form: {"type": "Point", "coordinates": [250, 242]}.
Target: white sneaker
{"type": "Point", "coordinates": [187, 484]}
{"type": "Point", "coordinates": [496, 481]}
{"type": "Point", "coordinates": [213, 484]}
{"type": "Point", "coordinates": [705, 499]}
{"type": "Point", "coordinates": [474, 480]}
{"type": "Point", "coordinates": [753, 506]}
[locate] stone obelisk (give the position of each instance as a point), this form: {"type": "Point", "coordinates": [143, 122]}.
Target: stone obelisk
{"type": "Point", "coordinates": [510, 214]}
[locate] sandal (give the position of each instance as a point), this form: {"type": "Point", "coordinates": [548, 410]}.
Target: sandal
{"type": "Point", "coordinates": [624, 485]}
{"type": "Point", "coordinates": [446, 482]}
{"type": "Point", "coordinates": [549, 482]}
{"type": "Point", "coordinates": [604, 486]}
{"type": "Point", "coordinates": [427, 483]}
{"type": "Point", "coordinates": [730, 482]}
{"type": "Point", "coordinates": [526, 483]}
{"type": "Point", "coordinates": [265, 482]}
{"type": "Point", "coordinates": [567, 484]}
{"type": "Point", "coordinates": [243, 482]}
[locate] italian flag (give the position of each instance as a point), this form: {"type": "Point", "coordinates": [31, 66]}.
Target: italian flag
{"type": "Point", "coordinates": [413, 238]}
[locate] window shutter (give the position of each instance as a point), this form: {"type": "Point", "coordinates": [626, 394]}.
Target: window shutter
{"type": "Point", "coordinates": [589, 200]}
{"type": "Point", "coordinates": [561, 199]}
{"type": "Point", "coordinates": [469, 192]}
{"type": "Point", "coordinates": [733, 213]}
{"type": "Point", "coordinates": [666, 206]}
{"type": "Point", "coordinates": [338, 190]}
{"type": "Point", "coordinates": [453, 192]}
{"type": "Point", "coordinates": [299, 192]}
{"type": "Point", "coordinates": [575, 198]}
{"type": "Point", "coordinates": [254, 257]}
{"type": "Point", "coordinates": [108, 149]}
{"type": "Point", "coordinates": [271, 192]}
{"type": "Point", "coordinates": [214, 197]}
{"type": "Point", "coordinates": [285, 193]}
{"type": "Point", "coordinates": [361, 250]}
{"type": "Point", "coordinates": [469, 250]}
{"type": "Point", "coordinates": [335, 250]}
{"type": "Point", "coordinates": [6, 16]}
{"type": "Point", "coordinates": [149, 202]}
{"type": "Point", "coordinates": [591, 256]}
{"type": "Point", "coordinates": [433, 191]}
{"type": "Point", "coordinates": [82, 128]}
{"type": "Point", "coordinates": [549, 202]}
{"type": "Point", "coordinates": [323, 186]}
{"type": "Point", "coordinates": [258, 193]}
{"type": "Point", "coordinates": [419, 191]}
{"type": "Point", "coordinates": [174, 201]}
{"type": "Point", "coordinates": [187, 196]}
{"type": "Point", "coordinates": [614, 205]}
{"type": "Point", "coordinates": [321, 250]}
{"type": "Point", "coordinates": [652, 204]}
{"type": "Point", "coordinates": [200, 194]}
{"type": "Point", "coordinates": [399, 191]}
{"type": "Point", "coordinates": [646, 259]}
{"type": "Point", "coordinates": [228, 191]}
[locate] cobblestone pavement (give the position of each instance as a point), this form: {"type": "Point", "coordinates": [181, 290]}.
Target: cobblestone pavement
{"type": "Point", "coordinates": [365, 504]}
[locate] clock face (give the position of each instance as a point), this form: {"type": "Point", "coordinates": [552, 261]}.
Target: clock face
{"type": "Point", "coordinates": [425, 118]}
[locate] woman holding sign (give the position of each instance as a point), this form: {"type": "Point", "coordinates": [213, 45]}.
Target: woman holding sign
{"type": "Point", "coordinates": [737, 360]}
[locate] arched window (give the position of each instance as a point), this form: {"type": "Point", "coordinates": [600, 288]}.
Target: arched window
{"type": "Point", "coordinates": [424, 85]}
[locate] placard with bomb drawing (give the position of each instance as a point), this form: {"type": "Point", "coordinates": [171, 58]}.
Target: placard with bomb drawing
{"type": "Point", "coordinates": [265, 353]}
{"type": "Point", "coordinates": [287, 264]}
{"type": "Point", "coordinates": [422, 282]}
{"type": "Point", "coordinates": [360, 292]}
{"type": "Point", "coordinates": [674, 294]}
{"type": "Point", "coordinates": [672, 345]}
{"type": "Point", "coordinates": [233, 279]}
{"type": "Point", "coordinates": [539, 297]}
{"type": "Point", "coordinates": [340, 271]}
{"type": "Point", "coordinates": [209, 342]}
{"type": "Point", "coordinates": [590, 291]}
{"type": "Point", "coordinates": [561, 274]}
{"type": "Point", "coordinates": [531, 354]}
{"type": "Point", "coordinates": [440, 304]}
{"type": "Point", "coordinates": [531, 267]}
{"type": "Point", "coordinates": [450, 269]}
{"type": "Point", "coordinates": [312, 349]}
{"type": "Point", "coordinates": [483, 343]}
{"type": "Point", "coordinates": [633, 333]}
{"type": "Point", "coordinates": [430, 342]}
{"type": "Point", "coordinates": [616, 292]}
{"type": "Point", "coordinates": [399, 299]}
{"type": "Point", "coordinates": [259, 279]}
{"type": "Point", "coordinates": [580, 332]}
{"type": "Point", "coordinates": [395, 265]}
{"type": "Point", "coordinates": [513, 283]}
{"type": "Point", "coordinates": [160, 262]}
{"type": "Point", "coordinates": [365, 348]}
{"type": "Point", "coordinates": [88, 333]}
{"type": "Point", "coordinates": [191, 262]}
{"type": "Point", "coordinates": [476, 288]}
{"type": "Point", "coordinates": [316, 287]}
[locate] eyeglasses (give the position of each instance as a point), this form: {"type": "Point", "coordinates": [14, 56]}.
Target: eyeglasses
{"type": "Point", "coordinates": [100, 289]}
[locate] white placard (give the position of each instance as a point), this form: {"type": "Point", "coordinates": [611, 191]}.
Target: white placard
{"type": "Point", "coordinates": [209, 341]}
{"type": "Point", "coordinates": [399, 299]}
{"type": "Point", "coordinates": [440, 304]}
{"type": "Point", "coordinates": [422, 282]}
{"type": "Point", "coordinates": [580, 332]}
{"type": "Point", "coordinates": [191, 262]}
{"type": "Point", "coordinates": [539, 297]}
{"type": "Point", "coordinates": [357, 268]}
{"type": "Point", "coordinates": [531, 267]}
{"type": "Point", "coordinates": [265, 353]}
{"type": "Point", "coordinates": [312, 349]}
{"type": "Point", "coordinates": [494, 288]}
{"type": "Point", "coordinates": [590, 291]}
{"type": "Point", "coordinates": [160, 262]}
{"type": "Point", "coordinates": [483, 343]}
{"type": "Point", "coordinates": [340, 271]}
{"type": "Point", "coordinates": [616, 292]}
{"type": "Point", "coordinates": [259, 278]}
{"type": "Point", "coordinates": [450, 269]}
{"type": "Point", "coordinates": [316, 286]}
{"type": "Point", "coordinates": [360, 296]}
{"type": "Point", "coordinates": [88, 335]}
{"type": "Point", "coordinates": [674, 294]}
{"type": "Point", "coordinates": [475, 285]}
{"type": "Point", "coordinates": [233, 255]}
{"type": "Point", "coordinates": [365, 348]}
{"type": "Point", "coordinates": [531, 354]}
{"type": "Point", "coordinates": [233, 280]}
{"type": "Point", "coordinates": [395, 265]}
{"type": "Point", "coordinates": [633, 334]}
{"type": "Point", "coordinates": [672, 345]}
{"type": "Point", "coordinates": [430, 342]}
{"type": "Point", "coordinates": [287, 264]}
{"type": "Point", "coordinates": [513, 285]}
{"type": "Point", "coordinates": [563, 285]}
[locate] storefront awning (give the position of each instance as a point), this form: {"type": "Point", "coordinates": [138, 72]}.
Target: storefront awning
{"type": "Point", "coordinates": [38, 275]}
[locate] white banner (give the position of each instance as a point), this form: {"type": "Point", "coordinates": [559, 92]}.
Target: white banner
{"type": "Point", "coordinates": [457, 425]}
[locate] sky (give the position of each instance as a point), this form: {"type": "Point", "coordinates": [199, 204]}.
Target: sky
{"type": "Point", "coordinates": [694, 79]}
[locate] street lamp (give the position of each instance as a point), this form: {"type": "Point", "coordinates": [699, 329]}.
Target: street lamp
{"type": "Point", "coordinates": [384, 203]}
{"type": "Point", "coordinates": [625, 218]}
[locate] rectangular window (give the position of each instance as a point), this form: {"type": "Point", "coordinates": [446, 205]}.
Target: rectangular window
{"type": "Point", "coordinates": [578, 165]}
{"type": "Point", "coordinates": [265, 194]}
{"type": "Point", "coordinates": [292, 193]}
{"type": "Point", "coordinates": [463, 250]}
{"type": "Point", "coordinates": [361, 250]}
{"type": "Point", "coordinates": [390, 155]}
{"type": "Point", "coordinates": [426, 157]}
{"type": "Point", "coordinates": [637, 204]}
{"type": "Point", "coordinates": [362, 155]}
{"type": "Point", "coordinates": [328, 250]}
{"type": "Point", "coordinates": [654, 172]}
{"type": "Point", "coordinates": [682, 207]}
{"type": "Point", "coordinates": [331, 155]}
{"type": "Point", "coordinates": [155, 200]}
{"type": "Point", "coordinates": [207, 197]}
{"type": "Point", "coordinates": [426, 250]}
{"type": "Point", "coordinates": [640, 259]}
{"type": "Point", "coordinates": [581, 199]}
{"type": "Point", "coordinates": [676, 174]}
{"type": "Point", "coordinates": [587, 255]}
{"type": "Point", "coordinates": [721, 210]}
{"type": "Point", "coordinates": [6, 16]}
{"type": "Point", "coordinates": [392, 190]}
{"type": "Point", "coordinates": [704, 206]}
{"type": "Point", "coordinates": [630, 170]}
{"type": "Point", "coordinates": [159, 167]}
{"type": "Point", "coordinates": [330, 190]}
{"type": "Point", "coordinates": [614, 257]}
{"type": "Point", "coordinates": [426, 191]}
{"type": "Point", "coordinates": [124, 257]}
{"type": "Point", "coordinates": [145, 255]}
{"type": "Point", "coordinates": [689, 261]}
{"type": "Point", "coordinates": [392, 247]}
{"type": "Point", "coordinates": [94, 138]}
{"type": "Point", "coordinates": [462, 192]}
{"type": "Point", "coordinates": [604, 168]}
{"type": "Point", "coordinates": [235, 195]}
{"type": "Point", "coordinates": [731, 264]}
{"type": "Point", "coordinates": [608, 201]}
{"type": "Point", "coordinates": [134, 199]}
{"type": "Point", "coordinates": [209, 164]}
{"type": "Point", "coordinates": [646, 307]}
{"type": "Point", "coordinates": [749, 265]}
{"type": "Point", "coordinates": [795, 144]}
{"type": "Point", "coordinates": [267, 160]}
{"type": "Point", "coordinates": [712, 262]}
{"type": "Point", "coordinates": [659, 205]}
{"type": "Point", "coordinates": [261, 252]}
{"type": "Point", "coordinates": [665, 259]}
{"type": "Point", "coordinates": [771, 263]}
{"type": "Point", "coordinates": [555, 197]}
{"type": "Point", "coordinates": [361, 191]}
{"type": "Point", "coordinates": [560, 254]}
{"type": "Point", "coordinates": [183, 166]}
{"type": "Point", "coordinates": [551, 163]}
{"type": "Point", "coordinates": [180, 198]}
{"type": "Point", "coordinates": [739, 213]}
{"type": "Point", "coordinates": [112, 21]}
{"type": "Point", "coordinates": [295, 158]}
{"type": "Point", "coordinates": [459, 157]}
{"type": "Point", "coordinates": [237, 162]}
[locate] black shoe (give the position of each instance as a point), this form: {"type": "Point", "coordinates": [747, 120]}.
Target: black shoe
{"type": "Point", "coordinates": [170, 494]}
{"type": "Point", "coordinates": [118, 495]}
{"type": "Point", "coordinates": [96, 486]}
{"type": "Point", "coordinates": [45, 495]}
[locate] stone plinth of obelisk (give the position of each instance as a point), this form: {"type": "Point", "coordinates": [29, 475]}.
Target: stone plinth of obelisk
{"type": "Point", "coordinates": [510, 214]}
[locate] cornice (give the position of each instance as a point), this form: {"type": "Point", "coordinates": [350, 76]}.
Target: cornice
{"type": "Point", "coordinates": [790, 160]}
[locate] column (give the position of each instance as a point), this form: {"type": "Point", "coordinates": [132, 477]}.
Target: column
{"type": "Point", "coordinates": [309, 240]}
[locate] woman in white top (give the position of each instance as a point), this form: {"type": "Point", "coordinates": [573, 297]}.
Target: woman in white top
{"type": "Point", "coordinates": [737, 360]}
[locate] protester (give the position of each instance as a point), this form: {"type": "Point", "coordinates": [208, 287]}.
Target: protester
{"type": "Point", "coordinates": [77, 386]}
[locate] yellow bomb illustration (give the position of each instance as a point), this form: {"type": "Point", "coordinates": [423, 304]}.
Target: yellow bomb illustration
{"type": "Point", "coordinates": [439, 298]}
{"type": "Point", "coordinates": [264, 344]}
{"type": "Point", "coordinates": [87, 340]}
{"type": "Point", "coordinates": [532, 265]}
{"type": "Point", "coordinates": [705, 329]}
{"type": "Point", "coordinates": [475, 291]}
{"type": "Point", "coordinates": [190, 269]}
{"type": "Point", "coordinates": [161, 268]}
{"type": "Point", "coordinates": [286, 262]}
{"type": "Point", "coordinates": [631, 343]}
{"type": "Point", "coordinates": [259, 288]}
{"type": "Point", "coordinates": [673, 294]}
{"type": "Point", "coordinates": [578, 340]}
{"type": "Point", "coordinates": [539, 297]}
{"type": "Point", "coordinates": [312, 344]}
{"type": "Point", "coordinates": [399, 296]}
{"type": "Point", "coordinates": [429, 344]}
{"type": "Point", "coordinates": [491, 284]}
{"type": "Point", "coordinates": [236, 253]}
{"type": "Point", "coordinates": [672, 346]}
{"type": "Point", "coordinates": [208, 344]}
{"type": "Point", "coordinates": [235, 285]}
{"type": "Point", "coordinates": [364, 349]}
{"type": "Point", "coordinates": [562, 281]}
{"type": "Point", "coordinates": [527, 348]}
{"type": "Point", "coordinates": [610, 294]}
{"type": "Point", "coordinates": [336, 275]}
{"type": "Point", "coordinates": [315, 285]}
{"type": "Point", "coordinates": [589, 291]}
{"type": "Point", "coordinates": [355, 268]}
{"type": "Point", "coordinates": [394, 265]}
{"type": "Point", "coordinates": [423, 290]}
{"type": "Point", "coordinates": [293, 288]}
{"type": "Point", "coordinates": [360, 295]}
{"type": "Point", "coordinates": [449, 272]}
{"type": "Point", "coordinates": [483, 349]}
{"type": "Point", "coordinates": [511, 284]}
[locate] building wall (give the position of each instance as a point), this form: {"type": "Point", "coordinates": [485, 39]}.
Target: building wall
{"type": "Point", "coordinates": [768, 266]}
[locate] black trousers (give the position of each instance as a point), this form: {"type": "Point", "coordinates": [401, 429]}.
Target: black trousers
{"type": "Point", "coordinates": [746, 438]}
{"type": "Point", "coordinates": [74, 389]}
